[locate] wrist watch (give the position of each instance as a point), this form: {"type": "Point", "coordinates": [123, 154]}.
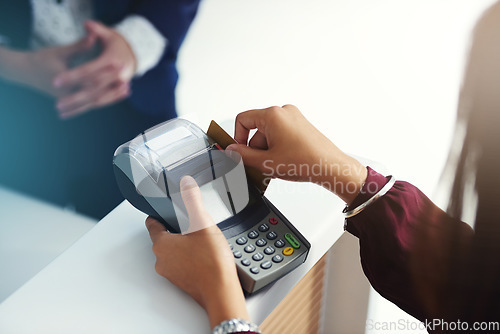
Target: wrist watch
{"type": "Point", "coordinates": [235, 325]}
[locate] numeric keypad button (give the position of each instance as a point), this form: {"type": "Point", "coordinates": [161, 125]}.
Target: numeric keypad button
{"type": "Point", "coordinates": [249, 248]}
{"type": "Point", "coordinates": [264, 228]}
{"type": "Point", "coordinates": [261, 242]}
{"type": "Point", "coordinates": [241, 240]}
{"type": "Point", "coordinates": [278, 258]}
{"type": "Point", "coordinates": [266, 265]}
{"type": "Point", "coordinates": [271, 235]}
{"type": "Point", "coordinates": [258, 256]}
{"type": "Point", "coordinates": [269, 250]}
{"type": "Point", "coordinates": [279, 243]}
{"type": "Point", "coordinates": [253, 234]}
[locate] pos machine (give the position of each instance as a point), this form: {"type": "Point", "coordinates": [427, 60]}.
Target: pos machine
{"type": "Point", "coordinates": [148, 170]}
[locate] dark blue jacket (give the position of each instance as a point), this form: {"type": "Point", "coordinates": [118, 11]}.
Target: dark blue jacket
{"type": "Point", "coordinates": [154, 92]}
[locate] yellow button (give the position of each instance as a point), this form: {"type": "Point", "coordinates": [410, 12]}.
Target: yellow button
{"type": "Point", "coordinates": [288, 251]}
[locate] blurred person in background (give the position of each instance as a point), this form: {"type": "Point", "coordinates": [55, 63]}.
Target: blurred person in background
{"type": "Point", "coordinates": [77, 79]}
{"type": "Point", "coordinates": [427, 261]}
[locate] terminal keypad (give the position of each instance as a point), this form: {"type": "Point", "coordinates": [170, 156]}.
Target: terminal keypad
{"type": "Point", "coordinates": [264, 247]}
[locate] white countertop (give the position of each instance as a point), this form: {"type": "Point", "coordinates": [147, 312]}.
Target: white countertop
{"type": "Point", "coordinates": [106, 282]}
{"type": "Point", "coordinates": [32, 234]}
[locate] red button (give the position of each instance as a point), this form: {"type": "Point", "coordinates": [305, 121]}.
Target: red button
{"type": "Point", "coordinates": [273, 220]}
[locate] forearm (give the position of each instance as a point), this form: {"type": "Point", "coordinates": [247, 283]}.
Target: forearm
{"type": "Point", "coordinates": [226, 302]}
{"type": "Point", "coordinates": [342, 175]}
{"type": "Point", "coordinates": [12, 65]}
{"type": "Point", "coordinates": [6, 59]}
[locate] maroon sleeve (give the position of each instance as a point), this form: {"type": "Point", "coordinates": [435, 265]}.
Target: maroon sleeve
{"type": "Point", "coordinates": [390, 238]}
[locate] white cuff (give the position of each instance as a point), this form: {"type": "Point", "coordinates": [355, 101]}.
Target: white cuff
{"type": "Point", "coordinates": [146, 41]}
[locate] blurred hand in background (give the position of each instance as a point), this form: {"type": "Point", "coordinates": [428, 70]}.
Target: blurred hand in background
{"type": "Point", "coordinates": [37, 69]}
{"type": "Point", "coordinates": [102, 81]}
{"type": "Point", "coordinates": [96, 83]}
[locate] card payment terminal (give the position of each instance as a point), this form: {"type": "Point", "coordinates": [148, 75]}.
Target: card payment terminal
{"type": "Point", "coordinates": [148, 170]}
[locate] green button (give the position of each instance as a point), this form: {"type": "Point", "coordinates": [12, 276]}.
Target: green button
{"type": "Point", "coordinates": [292, 241]}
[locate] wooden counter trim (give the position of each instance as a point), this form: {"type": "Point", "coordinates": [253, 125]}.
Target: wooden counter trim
{"type": "Point", "coordinates": [300, 311]}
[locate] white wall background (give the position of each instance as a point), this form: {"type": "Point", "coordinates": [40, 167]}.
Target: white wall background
{"type": "Point", "coordinates": [381, 78]}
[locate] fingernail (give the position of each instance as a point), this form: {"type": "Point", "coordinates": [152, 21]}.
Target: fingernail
{"type": "Point", "coordinates": [231, 147]}
{"type": "Point", "coordinates": [187, 182]}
